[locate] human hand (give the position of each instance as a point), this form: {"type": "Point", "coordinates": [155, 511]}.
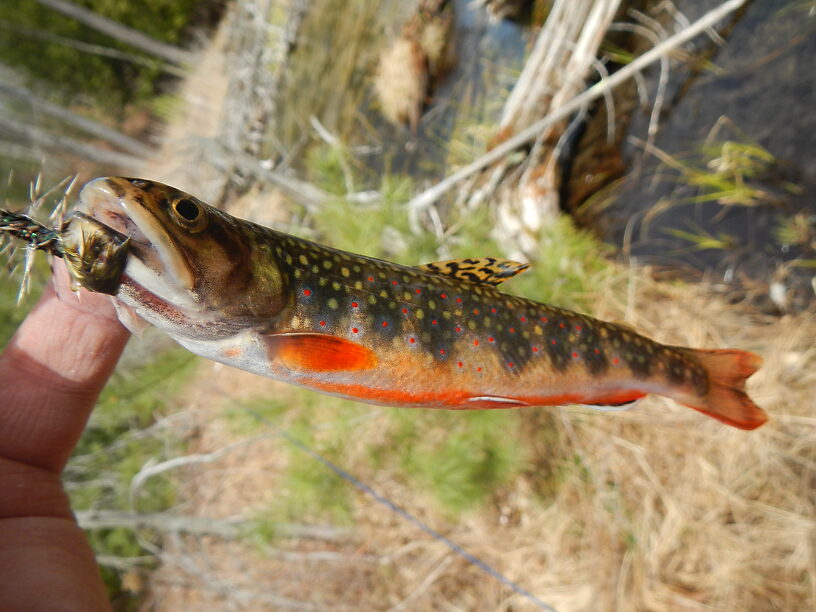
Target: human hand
{"type": "Point", "coordinates": [51, 374]}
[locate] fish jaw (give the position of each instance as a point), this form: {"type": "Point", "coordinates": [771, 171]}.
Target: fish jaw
{"type": "Point", "coordinates": [155, 263]}
{"type": "Point", "coordinates": [191, 270]}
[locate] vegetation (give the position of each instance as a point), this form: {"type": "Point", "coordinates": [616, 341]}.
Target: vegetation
{"type": "Point", "coordinates": [65, 73]}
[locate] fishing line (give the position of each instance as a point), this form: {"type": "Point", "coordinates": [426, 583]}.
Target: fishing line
{"type": "Point", "coordinates": [360, 485]}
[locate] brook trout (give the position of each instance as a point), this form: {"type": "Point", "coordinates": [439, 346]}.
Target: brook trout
{"type": "Point", "coordinates": [438, 336]}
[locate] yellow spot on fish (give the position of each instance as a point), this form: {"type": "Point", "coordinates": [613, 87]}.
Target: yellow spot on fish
{"type": "Point", "coordinates": [383, 294]}
{"type": "Point", "coordinates": [323, 281]}
{"type": "Point", "coordinates": [336, 286]}
{"type": "Point", "coordinates": [372, 300]}
{"type": "Point", "coordinates": [298, 273]}
{"type": "Point", "coordinates": [537, 329]}
{"type": "Point", "coordinates": [332, 303]}
{"type": "Point", "coordinates": [345, 272]}
{"type": "Point", "coordinates": [407, 295]}
{"type": "Point", "coordinates": [303, 260]}
{"type": "Point", "coordinates": [327, 264]}
{"type": "Point", "coordinates": [431, 304]}
{"type": "Point", "coordinates": [419, 314]}
{"type": "Point", "coordinates": [358, 285]}
{"type": "Point", "coordinates": [315, 269]}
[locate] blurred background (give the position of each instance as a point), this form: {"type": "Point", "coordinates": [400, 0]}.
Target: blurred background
{"type": "Point", "coordinates": [681, 201]}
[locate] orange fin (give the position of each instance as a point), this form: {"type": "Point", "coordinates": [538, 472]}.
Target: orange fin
{"type": "Point", "coordinates": [726, 399]}
{"type": "Point", "coordinates": [309, 352]}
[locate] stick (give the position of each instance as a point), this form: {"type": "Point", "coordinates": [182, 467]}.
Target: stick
{"type": "Point", "coordinates": [429, 196]}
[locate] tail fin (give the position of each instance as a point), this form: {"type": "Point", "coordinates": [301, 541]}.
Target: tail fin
{"type": "Point", "coordinates": [726, 399]}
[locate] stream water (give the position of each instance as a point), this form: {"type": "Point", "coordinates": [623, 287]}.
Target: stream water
{"type": "Point", "coordinates": [757, 90]}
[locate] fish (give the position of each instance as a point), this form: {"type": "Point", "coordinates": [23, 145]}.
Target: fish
{"type": "Point", "coordinates": [438, 335]}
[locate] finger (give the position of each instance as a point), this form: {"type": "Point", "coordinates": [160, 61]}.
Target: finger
{"type": "Point", "coordinates": [51, 374]}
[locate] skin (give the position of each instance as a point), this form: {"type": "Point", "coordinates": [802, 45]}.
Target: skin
{"type": "Point", "coordinates": [51, 374]}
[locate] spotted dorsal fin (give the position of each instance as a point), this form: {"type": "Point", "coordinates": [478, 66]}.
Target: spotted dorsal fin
{"type": "Point", "coordinates": [484, 270]}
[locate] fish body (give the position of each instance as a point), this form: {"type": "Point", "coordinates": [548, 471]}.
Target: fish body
{"type": "Point", "coordinates": [440, 335]}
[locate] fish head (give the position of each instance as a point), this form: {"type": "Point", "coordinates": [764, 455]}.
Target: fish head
{"type": "Point", "coordinates": [188, 266]}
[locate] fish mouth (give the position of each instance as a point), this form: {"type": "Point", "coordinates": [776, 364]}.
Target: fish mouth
{"type": "Point", "coordinates": [155, 264]}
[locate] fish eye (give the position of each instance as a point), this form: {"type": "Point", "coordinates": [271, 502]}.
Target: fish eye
{"type": "Point", "coordinates": [187, 209]}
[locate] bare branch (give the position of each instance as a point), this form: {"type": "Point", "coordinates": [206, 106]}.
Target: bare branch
{"type": "Point", "coordinates": [429, 196]}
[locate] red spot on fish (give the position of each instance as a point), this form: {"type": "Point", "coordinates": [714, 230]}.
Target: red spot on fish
{"type": "Point", "coordinates": [475, 311]}
{"type": "Point", "coordinates": [561, 325]}
{"type": "Point", "coordinates": [404, 311]}
{"type": "Point", "coordinates": [412, 340]}
{"type": "Point", "coordinates": [535, 349]}
{"type": "Point", "coordinates": [490, 339]}
{"type": "Point", "coordinates": [574, 355]}
{"type": "Point", "coordinates": [441, 351]}
{"type": "Point", "coordinates": [493, 310]}
{"type": "Point", "coordinates": [459, 363]}
{"type": "Point", "coordinates": [597, 351]}
{"type": "Point", "coordinates": [510, 364]}
{"type": "Point", "coordinates": [385, 323]}
{"type": "Point", "coordinates": [354, 304]}
{"type": "Point", "coordinates": [434, 322]}
{"type": "Point", "coordinates": [394, 283]}
{"type": "Point", "coordinates": [458, 329]}
{"type": "Point", "coordinates": [444, 296]}
{"type": "Point", "coordinates": [552, 341]}
{"type": "Point", "coordinates": [417, 291]}
{"type": "Point", "coordinates": [523, 319]}
{"type": "Point", "coordinates": [458, 300]}
{"type": "Point", "coordinates": [475, 343]}
{"type": "Point", "coordinates": [354, 330]}
{"type": "Point", "coordinates": [479, 369]}
{"type": "Point", "coordinates": [370, 279]}
{"type": "Point", "coordinates": [512, 330]}
{"type": "Point", "coordinates": [307, 292]}
{"type": "Point", "coordinates": [322, 324]}
{"type": "Point", "coordinates": [544, 319]}
{"type": "Point", "coordinates": [616, 361]}
{"type": "Point", "coordinates": [578, 328]}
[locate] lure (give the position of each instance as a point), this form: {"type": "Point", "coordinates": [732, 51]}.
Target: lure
{"type": "Point", "coordinates": [439, 335]}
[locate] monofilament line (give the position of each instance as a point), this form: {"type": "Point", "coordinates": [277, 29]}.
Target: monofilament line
{"type": "Point", "coordinates": [361, 486]}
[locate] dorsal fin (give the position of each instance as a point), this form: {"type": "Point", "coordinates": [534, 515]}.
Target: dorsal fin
{"type": "Point", "coordinates": [484, 270]}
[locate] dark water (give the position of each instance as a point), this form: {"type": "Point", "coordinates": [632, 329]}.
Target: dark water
{"type": "Point", "coordinates": [762, 92]}
{"type": "Point", "coordinates": [488, 58]}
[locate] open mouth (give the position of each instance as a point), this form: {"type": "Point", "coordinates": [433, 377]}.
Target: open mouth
{"type": "Point", "coordinates": [153, 263]}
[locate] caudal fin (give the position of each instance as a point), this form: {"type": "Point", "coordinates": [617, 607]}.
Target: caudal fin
{"type": "Point", "coordinates": [726, 399]}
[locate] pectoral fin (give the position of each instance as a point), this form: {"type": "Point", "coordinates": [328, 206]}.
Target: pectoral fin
{"type": "Point", "coordinates": [310, 352]}
{"type": "Point", "coordinates": [484, 270]}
